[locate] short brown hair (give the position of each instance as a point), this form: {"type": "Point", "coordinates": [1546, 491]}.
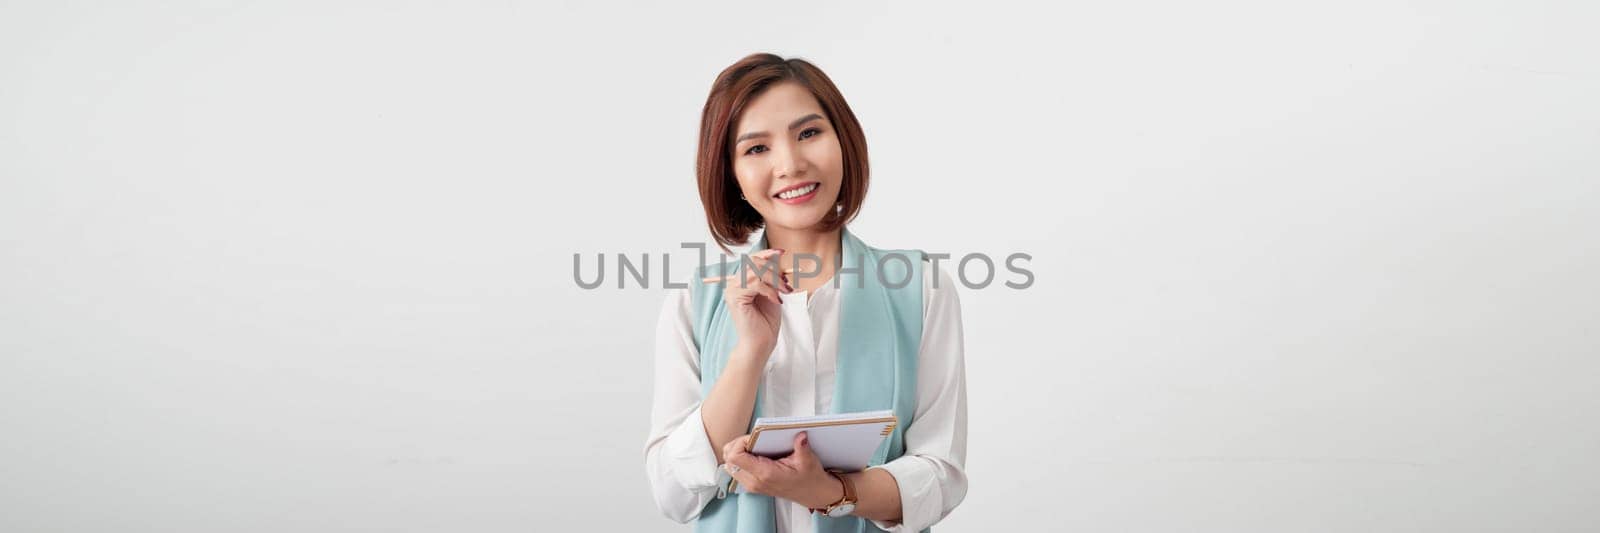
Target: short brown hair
{"type": "Point", "coordinates": [731, 219]}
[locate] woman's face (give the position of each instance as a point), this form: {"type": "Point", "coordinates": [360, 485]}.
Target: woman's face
{"type": "Point", "coordinates": [786, 157]}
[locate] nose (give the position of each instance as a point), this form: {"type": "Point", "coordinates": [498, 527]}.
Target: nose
{"type": "Point", "coordinates": [788, 163]}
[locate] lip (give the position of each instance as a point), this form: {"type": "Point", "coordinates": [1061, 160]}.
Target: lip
{"type": "Point", "coordinates": [798, 199]}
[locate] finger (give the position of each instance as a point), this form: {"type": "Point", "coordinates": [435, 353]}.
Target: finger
{"type": "Point", "coordinates": [743, 460]}
{"type": "Point", "coordinates": [770, 292]}
{"type": "Point", "coordinates": [748, 469]}
{"type": "Point", "coordinates": [758, 259]}
{"type": "Point", "coordinates": [760, 467]}
{"type": "Point", "coordinates": [748, 296]}
{"type": "Point", "coordinates": [746, 480]}
{"type": "Point", "coordinates": [734, 447]}
{"type": "Point", "coordinates": [733, 279]}
{"type": "Point", "coordinates": [767, 266]}
{"type": "Point", "coordinates": [763, 275]}
{"type": "Point", "coordinates": [802, 450]}
{"type": "Point", "coordinates": [760, 287]}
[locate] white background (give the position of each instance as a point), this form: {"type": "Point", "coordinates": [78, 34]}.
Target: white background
{"type": "Point", "coordinates": [308, 266]}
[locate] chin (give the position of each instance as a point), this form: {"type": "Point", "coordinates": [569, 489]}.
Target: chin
{"type": "Point", "coordinates": [809, 219]}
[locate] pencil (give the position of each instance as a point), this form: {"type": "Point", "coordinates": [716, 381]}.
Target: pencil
{"type": "Point", "coordinates": [720, 279]}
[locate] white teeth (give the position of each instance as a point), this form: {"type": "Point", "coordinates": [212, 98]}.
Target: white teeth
{"type": "Point", "coordinates": [796, 193]}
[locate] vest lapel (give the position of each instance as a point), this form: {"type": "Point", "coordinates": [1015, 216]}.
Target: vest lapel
{"type": "Point", "coordinates": [880, 333]}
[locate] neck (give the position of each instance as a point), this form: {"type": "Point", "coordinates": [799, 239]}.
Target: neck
{"type": "Point", "coordinates": [822, 245]}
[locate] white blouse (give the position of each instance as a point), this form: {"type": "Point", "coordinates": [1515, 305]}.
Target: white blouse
{"type": "Point", "coordinates": [683, 470]}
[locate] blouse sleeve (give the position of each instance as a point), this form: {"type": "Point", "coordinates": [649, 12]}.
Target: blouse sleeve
{"type": "Point", "coordinates": [931, 474]}
{"type": "Point", "coordinates": [678, 457]}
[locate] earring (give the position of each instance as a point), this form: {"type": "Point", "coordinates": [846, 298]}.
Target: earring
{"type": "Point", "coordinates": [741, 197]}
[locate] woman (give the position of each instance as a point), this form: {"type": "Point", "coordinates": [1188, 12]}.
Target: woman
{"type": "Point", "coordinates": [780, 151]}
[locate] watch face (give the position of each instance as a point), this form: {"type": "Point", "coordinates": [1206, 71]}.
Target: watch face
{"type": "Point", "coordinates": [843, 509]}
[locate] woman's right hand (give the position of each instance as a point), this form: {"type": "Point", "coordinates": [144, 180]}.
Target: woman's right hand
{"type": "Point", "coordinates": [755, 304]}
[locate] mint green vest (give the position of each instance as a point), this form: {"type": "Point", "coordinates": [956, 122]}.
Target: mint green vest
{"type": "Point", "coordinates": [880, 336]}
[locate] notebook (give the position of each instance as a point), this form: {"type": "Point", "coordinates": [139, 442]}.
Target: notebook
{"type": "Point", "coordinates": [844, 441]}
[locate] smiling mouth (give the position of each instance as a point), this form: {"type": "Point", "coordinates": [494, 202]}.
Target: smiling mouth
{"type": "Point", "coordinates": [797, 192]}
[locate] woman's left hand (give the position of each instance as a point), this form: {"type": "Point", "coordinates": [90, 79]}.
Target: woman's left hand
{"type": "Point", "coordinates": [798, 477]}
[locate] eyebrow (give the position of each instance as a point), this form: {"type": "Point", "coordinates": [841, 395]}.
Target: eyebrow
{"type": "Point", "coordinates": [792, 125]}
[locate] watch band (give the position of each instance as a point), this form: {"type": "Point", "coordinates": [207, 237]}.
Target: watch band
{"type": "Point", "coordinates": [849, 497]}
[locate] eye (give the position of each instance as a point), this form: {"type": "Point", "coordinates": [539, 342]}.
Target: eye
{"type": "Point", "coordinates": [756, 149]}
{"type": "Point", "coordinates": [810, 132]}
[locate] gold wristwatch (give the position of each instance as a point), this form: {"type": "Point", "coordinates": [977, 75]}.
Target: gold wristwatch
{"type": "Point", "coordinates": [846, 503]}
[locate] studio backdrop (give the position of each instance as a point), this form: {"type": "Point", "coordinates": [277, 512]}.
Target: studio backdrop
{"type": "Point", "coordinates": [310, 266]}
